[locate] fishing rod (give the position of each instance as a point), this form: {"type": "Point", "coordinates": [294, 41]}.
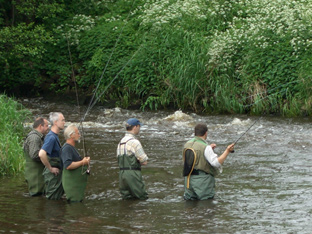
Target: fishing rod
{"type": "Point", "coordinates": [92, 103]}
{"type": "Point", "coordinates": [246, 131]}
{"type": "Point", "coordinates": [77, 99]}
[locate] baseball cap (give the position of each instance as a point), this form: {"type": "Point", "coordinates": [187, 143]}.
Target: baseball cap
{"type": "Point", "coordinates": [134, 122]}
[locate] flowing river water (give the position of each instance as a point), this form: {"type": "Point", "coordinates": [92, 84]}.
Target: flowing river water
{"type": "Point", "coordinates": [265, 187]}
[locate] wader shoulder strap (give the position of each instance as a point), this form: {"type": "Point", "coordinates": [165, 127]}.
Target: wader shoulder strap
{"type": "Point", "coordinates": [123, 143]}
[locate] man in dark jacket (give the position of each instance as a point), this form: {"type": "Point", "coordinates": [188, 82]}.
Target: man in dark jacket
{"type": "Point", "coordinates": [33, 165]}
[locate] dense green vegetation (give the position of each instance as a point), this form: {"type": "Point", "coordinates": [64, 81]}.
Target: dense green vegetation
{"type": "Point", "coordinates": [12, 117]}
{"type": "Point", "coordinates": [223, 56]}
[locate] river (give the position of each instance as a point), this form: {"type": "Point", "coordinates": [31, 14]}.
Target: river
{"type": "Point", "coordinates": [265, 187]}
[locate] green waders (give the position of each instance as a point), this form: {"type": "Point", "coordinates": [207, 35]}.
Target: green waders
{"type": "Point", "coordinates": [75, 183]}
{"type": "Point", "coordinates": [131, 184]}
{"type": "Point", "coordinates": [54, 189]}
{"type": "Point", "coordinates": [34, 177]}
{"type": "Point", "coordinates": [202, 186]}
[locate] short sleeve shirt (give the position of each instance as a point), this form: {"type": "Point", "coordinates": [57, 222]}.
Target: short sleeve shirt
{"type": "Point", "coordinates": [52, 145]}
{"type": "Point", "coordinates": [69, 155]}
{"type": "Point", "coordinates": [133, 146]}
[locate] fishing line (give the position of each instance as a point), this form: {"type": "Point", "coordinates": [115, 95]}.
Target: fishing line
{"type": "Point", "coordinates": [77, 99]}
{"type": "Point", "coordinates": [102, 75]}
{"type": "Point", "coordinates": [91, 105]}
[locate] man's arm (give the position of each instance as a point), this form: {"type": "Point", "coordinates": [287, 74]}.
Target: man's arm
{"type": "Point", "coordinates": [140, 154]}
{"type": "Point", "coordinates": [44, 159]}
{"type": "Point", "coordinates": [74, 165]}
{"type": "Point", "coordinates": [223, 156]}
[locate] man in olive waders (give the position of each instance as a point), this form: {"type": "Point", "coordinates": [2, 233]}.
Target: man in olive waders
{"type": "Point", "coordinates": [50, 156]}
{"type": "Point", "coordinates": [199, 181]}
{"type": "Point", "coordinates": [33, 165]}
{"type": "Point", "coordinates": [75, 176]}
{"type": "Point", "coordinates": [131, 156]}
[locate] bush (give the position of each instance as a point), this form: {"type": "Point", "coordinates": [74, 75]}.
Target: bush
{"type": "Point", "coordinates": [12, 117]}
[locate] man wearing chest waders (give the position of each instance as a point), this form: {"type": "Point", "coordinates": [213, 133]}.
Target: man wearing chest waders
{"type": "Point", "coordinates": [33, 165]}
{"type": "Point", "coordinates": [50, 156]}
{"type": "Point", "coordinates": [75, 176]}
{"type": "Point", "coordinates": [201, 165]}
{"type": "Point", "coordinates": [131, 156]}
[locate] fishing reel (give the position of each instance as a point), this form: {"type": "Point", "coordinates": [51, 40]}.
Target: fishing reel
{"type": "Point", "coordinates": [88, 172]}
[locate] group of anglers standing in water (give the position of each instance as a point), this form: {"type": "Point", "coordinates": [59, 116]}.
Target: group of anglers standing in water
{"type": "Point", "coordinates": [54, 170]}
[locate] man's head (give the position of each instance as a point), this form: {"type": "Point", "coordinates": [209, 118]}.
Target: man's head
{"type": "Point", "coordinates": [41, 125]}
{"type": "Point", "coordinates": [57, 119]}
{"type": "Point", "coordinates": [133, 125]}
{"type": "Point", "coordinates": [201, 129]}
{"type": "Point", "coordinates": [72, 132]}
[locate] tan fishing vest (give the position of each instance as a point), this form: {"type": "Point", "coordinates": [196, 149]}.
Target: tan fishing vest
{"type": "Point", "coordinates": [199, 146]}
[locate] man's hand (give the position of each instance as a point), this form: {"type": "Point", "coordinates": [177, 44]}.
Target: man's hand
{"type": "Point", "coordinates": [230, 148]}
{"type": "Point", "coordinates": [55, 170]}
{"type": "Point", "coordinates": [85, 160]}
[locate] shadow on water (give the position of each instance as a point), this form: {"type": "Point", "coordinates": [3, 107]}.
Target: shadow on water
{"type": "Point", "coordinates": [265, 186]}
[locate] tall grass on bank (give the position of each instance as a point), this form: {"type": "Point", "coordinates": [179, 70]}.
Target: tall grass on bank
{"type": "Point", "coordinates": [230, 57]}
{"type": "Point", "coordinates": [12, 117]}
{"type": "Point", "coordinates": [224, 56]}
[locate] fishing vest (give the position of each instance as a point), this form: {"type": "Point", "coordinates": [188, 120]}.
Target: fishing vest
{"type": "Point", "coordinates": [128, 162]}
{"type": "Point", "coordinates": [199, 146]}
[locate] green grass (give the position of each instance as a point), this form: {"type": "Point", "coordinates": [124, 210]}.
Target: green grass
{"type": "Point", "coordinates": [12, 117]}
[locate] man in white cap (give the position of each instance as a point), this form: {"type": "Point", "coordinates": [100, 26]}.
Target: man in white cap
{"type": "Point", "coordinates": [131, 156]}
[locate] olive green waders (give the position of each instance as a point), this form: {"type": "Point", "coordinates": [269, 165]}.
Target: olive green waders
{"type": "Point", "coordinates": [75, 183]}
{"type": "Point", "coordinates": [202, 186]}
{"type": "Point", "coordinates": [131, 184]}
{"type": "Point", "coordinates": [53, 183]}
{"type": "Point", "coordinates": [34, 177]}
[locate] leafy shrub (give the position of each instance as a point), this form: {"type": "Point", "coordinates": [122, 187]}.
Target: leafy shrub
{"type": "Point", "coordinates": [12, 118]}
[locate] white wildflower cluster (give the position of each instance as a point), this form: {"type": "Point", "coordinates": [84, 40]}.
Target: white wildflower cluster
{"type": "Point", "coordinates": [78, 24]}
{"type": "Point", "coordinates": [266, 23]}
{"type": "Point", "coordinates": [113, 18]}
{"type": "Point", "coordinates": [159, 12]}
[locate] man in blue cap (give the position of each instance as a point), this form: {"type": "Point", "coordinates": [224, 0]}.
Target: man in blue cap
{"type": "Point", "coordinates": [131, 156]}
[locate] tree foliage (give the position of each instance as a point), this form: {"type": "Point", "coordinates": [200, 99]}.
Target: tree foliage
{"type": "Point", "coordinates": [213, 56]}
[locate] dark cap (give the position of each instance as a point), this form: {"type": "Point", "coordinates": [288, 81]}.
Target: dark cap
{"type": "Point", "coordinates": [133, 122]}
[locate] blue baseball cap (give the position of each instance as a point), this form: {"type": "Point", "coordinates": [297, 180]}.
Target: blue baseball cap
{"type": "Point", "coordinates": [134, 122]}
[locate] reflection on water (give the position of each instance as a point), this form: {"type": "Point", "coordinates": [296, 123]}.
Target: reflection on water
{"type": "Point", "coordinates": [265, 186]}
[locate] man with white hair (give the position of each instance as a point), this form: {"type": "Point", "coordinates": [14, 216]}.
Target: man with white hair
{"type": "Point", "coordinates": [50, 156]}
{"type": "Point", "coordinates": [74, 178]}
